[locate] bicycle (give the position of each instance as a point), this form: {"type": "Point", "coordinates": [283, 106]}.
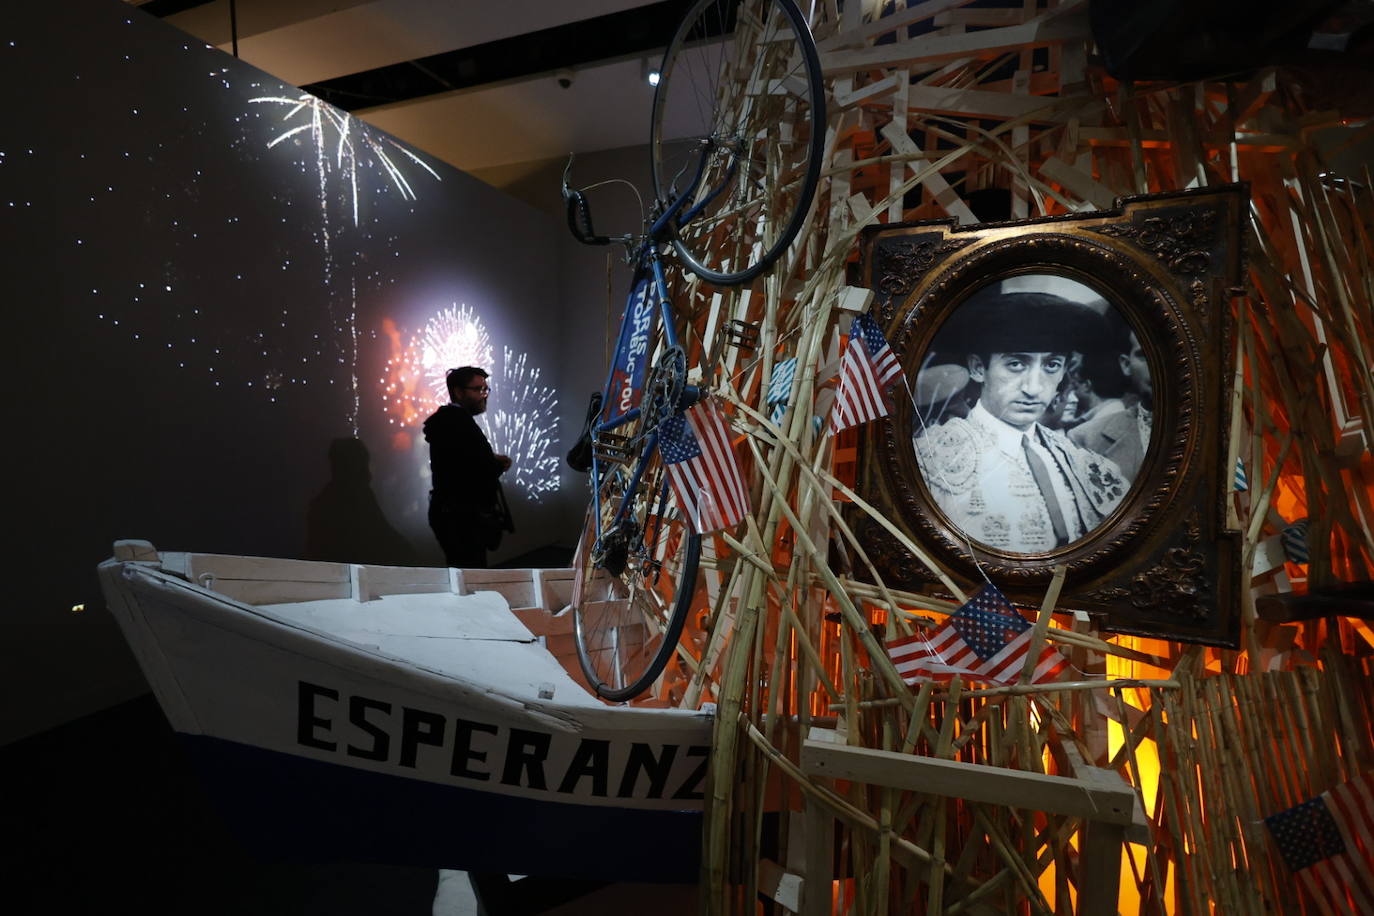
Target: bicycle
{"type": "Point", "coordinates": [736, 141]}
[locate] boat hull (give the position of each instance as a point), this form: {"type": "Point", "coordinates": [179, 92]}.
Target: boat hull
{"type": "Point", "coordinates": [377, 747]}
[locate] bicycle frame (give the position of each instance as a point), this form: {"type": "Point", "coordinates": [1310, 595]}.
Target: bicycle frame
{"type": "Point", "coordinates": [648, 276]}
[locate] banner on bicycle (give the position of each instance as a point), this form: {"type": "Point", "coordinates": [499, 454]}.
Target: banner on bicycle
{"type": "Point", "coordinates": [632, 351]}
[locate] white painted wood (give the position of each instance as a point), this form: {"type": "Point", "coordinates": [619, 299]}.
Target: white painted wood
{"type": "Point", "coordinates": [515, 585]}
{"type": "Point", "coordinates": [375, 581]}
{"type": "Point", "coordinates": [847, 97]}
{"type": "Point", "coordinates": [901, 105]}
{"type": "Point", "coordinates": [855, 299]}
{"type": "Point", "coordinates": [862, 211]}
{"type": "Point", "coordinates": [1020, 137]}
{"type": "Point", "coordinates": [779, 885]}
{"type": "Point", "coordinates": [267, 591]}
{"type": "Point", "coordinates": [1269, 555]}
{"type": "Point", "coordinates": [221, 566]}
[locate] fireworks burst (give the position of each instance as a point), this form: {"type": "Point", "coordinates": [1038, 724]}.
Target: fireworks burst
{"type": "Point", "coordinates": [350, 138]}
{"type": "Point", "coordinates": [524, 425]}
{"type": "Point", "coordinates": [521, 419]}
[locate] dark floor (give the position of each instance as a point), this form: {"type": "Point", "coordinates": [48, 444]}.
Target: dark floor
{"type": "Point", "coordinates": [109, 817]}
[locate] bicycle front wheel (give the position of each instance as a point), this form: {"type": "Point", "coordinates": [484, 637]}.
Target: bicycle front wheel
{"type": "Point", "coordinates": [739, 98]}
{"type": "Point", "coordinates": [635, 589]}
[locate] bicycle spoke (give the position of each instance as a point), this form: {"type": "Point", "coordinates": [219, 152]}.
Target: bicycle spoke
{"type": "Point", "coordinates": [765, 125]}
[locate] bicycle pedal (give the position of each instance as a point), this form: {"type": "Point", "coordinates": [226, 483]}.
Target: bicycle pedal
{"type": "Point", "coordinates": [742, 334]}
{"type": "Point", "coordinates": [614, 448]}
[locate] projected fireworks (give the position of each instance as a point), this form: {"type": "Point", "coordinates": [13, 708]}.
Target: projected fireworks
{"type": "Point", "coordinates": [524, 425]}
{"type": "Point", "coordinates": [349, 137]}
{"type": "Point", "coordinates": [227, 250]}
{"type": "Point", "coordinates": [521, 419]}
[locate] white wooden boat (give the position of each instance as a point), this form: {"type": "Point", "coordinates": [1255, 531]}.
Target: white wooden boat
{"type": "Point", "coordinates": [408, 716]}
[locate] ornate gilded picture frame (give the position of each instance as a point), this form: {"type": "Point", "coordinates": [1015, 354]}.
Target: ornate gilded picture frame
{"type": "Point", "coordinates": [1065, 405]}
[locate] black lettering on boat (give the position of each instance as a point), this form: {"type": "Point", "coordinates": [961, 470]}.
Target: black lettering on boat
{"type": "Point", "coordinates": [463, 751]}
{"type": "Point", "coordinates": [593, 758]}
{"type": "Point", "coordinates": [306, 720]}
{"type": "Point", "coordinates": [419, 727]}
{"type": "Point", "coordinates": [381, 740]}
{"type": "Point", "coordinates": [691, 787]}
{"type": "Point", "coordinates": [642, 760]}
{"type": "Point", "coordinates": [526, 751]}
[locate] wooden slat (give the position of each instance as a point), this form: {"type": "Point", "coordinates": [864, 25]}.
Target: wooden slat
{"type": "Point", "coordinates": [945, 196]}
{"type": "Point", "coordinates": [898, 19]}
{"type": "Point", "coordinates": [515, 585]}
{"type": "Point", "coordinates": [979, 103]}
{"type": "Point", "coordinates": [974, 782]}
{"type": "Point", "coordinates": [224, 566]}
{"type": "Point", "coordinates": [553, 588]}
{"type": "Point", "coordinates": [274, 591]}
{"type": "Point", "coordinates": [927, 49]}
{"type": "Point", "coordinates": [1078, 182]}
{"type": "Point", "coordinates": [376, 581]}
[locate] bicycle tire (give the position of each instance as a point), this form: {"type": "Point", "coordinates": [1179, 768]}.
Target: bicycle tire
{"type": "Point", "coordinates": [627, 624]}
{"type": "Point", "coordinates": [737, 235]}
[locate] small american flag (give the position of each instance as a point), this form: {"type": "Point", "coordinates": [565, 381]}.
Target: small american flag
{"type": "Point", "coordinates": [1327, 842]}
{"type": "Point", "coordinates": [702, 468]}
{"type": "Point", "coordinates": [868, 368]}
{"type": "Point", "coordinates": [986, 639]}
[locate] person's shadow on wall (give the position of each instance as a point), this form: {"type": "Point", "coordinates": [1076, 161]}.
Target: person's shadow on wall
{"type": "Point", "coordinates": [344, 522]}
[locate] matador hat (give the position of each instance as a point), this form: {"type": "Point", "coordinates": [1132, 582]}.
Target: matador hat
{"type": "Point", "coordinates": [1020, 322]}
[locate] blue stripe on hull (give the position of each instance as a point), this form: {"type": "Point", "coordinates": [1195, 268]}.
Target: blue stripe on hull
{"type": "Point", "coordinates": [295, 809]}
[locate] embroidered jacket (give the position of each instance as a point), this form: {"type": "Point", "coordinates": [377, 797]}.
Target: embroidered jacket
{"type": "Point", "coordinates": [976, 470]}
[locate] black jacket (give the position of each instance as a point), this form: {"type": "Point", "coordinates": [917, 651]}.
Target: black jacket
{"type": "Point", "coordinates": [464, 470]}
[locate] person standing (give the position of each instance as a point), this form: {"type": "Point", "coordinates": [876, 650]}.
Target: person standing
{"type": "Point", "coordinates": [1124, 436]}
{"type": "Point", "coordinates": [464, 470]}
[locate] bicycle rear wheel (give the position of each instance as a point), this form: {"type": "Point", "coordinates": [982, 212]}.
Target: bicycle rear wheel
{"type": "Point", "coordinates": [633, 594]}
{"type": "Point", "coordinates": [741, 86]}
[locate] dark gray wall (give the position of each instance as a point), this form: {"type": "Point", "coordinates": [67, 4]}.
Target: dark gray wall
{"type": "Point", "coordinates": [196, 317]}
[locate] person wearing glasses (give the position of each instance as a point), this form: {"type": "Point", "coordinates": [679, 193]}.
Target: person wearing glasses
{"type": "Point", "coordinates": [464, 504]}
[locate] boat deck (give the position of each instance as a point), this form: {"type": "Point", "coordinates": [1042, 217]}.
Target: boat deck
{"type": "Point", "coordinates": [474, 636]}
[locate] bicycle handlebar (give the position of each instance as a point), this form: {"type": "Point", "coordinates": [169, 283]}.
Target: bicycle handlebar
{"type": "Point", "coordinates": [579, 214]}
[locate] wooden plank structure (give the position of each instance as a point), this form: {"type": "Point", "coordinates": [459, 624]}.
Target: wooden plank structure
{"type": "Point", "coordinates": [938, 799]}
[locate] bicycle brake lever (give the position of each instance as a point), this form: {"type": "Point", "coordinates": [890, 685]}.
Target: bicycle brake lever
{"type": "Point", "coordinates": [567, 174]}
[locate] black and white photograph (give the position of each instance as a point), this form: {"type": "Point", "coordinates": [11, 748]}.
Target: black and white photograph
{"type": "Point", "coordinates": [1033, 412]}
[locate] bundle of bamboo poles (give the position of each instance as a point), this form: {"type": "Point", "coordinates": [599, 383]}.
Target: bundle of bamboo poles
{"type": "Point", "coordinates": [789, 648]}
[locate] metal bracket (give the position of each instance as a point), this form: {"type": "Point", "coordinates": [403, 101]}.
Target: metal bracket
{"type": "Point", "coordinates": [612, 447]}
{"type": "Point", "coordinates": [742, 334]}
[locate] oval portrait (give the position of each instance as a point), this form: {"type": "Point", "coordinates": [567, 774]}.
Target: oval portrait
{"type": "Point", "coordinates": [1032, 413]}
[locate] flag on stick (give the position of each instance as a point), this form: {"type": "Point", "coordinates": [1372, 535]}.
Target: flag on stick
{"type": "Point", "coordinates": [986, 639]}
{"type": "Point", "coordinates": [1328, 842]}
{"type": "Point", "coordinates": [702, 469]}
{"type": "Point", "coordinates": [868, 368]}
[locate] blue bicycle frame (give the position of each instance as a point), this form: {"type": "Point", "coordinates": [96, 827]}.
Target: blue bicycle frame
{"type": "Point", "coordinates": [648, 278]}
